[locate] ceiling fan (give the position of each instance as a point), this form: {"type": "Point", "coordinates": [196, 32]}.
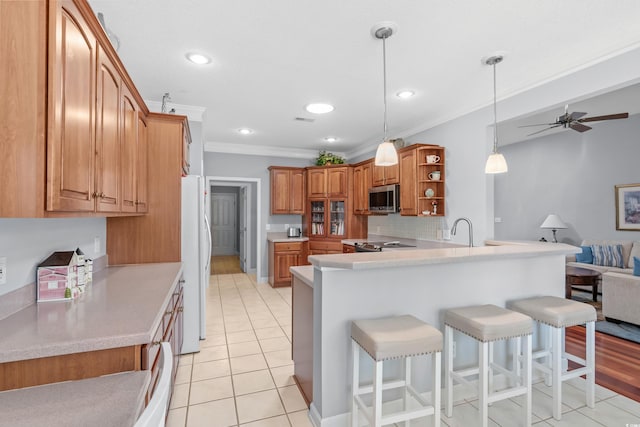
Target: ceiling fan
{"type": "Point", "coordinates": [575, 121]}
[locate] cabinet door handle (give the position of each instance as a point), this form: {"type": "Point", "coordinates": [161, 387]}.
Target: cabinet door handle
{"type": "Point", "coordinates": [181, 281]}
{"type": "Point", "coordinates": [168, 313]}
{"type": "Point", "coordinates": [154, 343]}
{"type": "Point", "coordinates": [180, 309]}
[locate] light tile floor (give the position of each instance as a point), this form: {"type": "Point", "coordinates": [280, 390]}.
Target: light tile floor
{"type": "Point", "coordinates": [242, 375]}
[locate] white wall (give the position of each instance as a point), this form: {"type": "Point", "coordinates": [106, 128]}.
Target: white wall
{"type": "Point", "coordinates": [570, 174]}
{"type": "Point", "coordinates": [27, 242]}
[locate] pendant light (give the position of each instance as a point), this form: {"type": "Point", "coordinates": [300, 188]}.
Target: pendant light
{"type": "Point", "coordinates": [496, 162]}
{"type": "Point", "coordinates": [386, 154]}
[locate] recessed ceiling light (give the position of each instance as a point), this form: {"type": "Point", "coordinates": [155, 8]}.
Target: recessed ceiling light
{"type": "Point", "coordinates": [245, 131]}
{"type": "Point", "coordinates": [331, 139]}
{"type": "Point", "coordinates": [319, 108]}
{"type": "Point", "coordinates": [198, 58]}
{"type": "Point", "coordinates": [404, 94]}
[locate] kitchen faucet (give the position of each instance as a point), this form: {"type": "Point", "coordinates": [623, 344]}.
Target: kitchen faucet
{"type": "Point", "coordinates": [455, 224]}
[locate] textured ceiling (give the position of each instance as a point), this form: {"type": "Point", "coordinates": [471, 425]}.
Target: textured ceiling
{"type": "Point", "coordinates": [271, 58]}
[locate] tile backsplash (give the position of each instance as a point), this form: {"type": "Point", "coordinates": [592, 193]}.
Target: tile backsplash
{"type": "Point", "coordinates": [409, 227]}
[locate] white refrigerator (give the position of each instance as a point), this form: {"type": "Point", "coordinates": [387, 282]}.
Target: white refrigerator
{"type": "Point", "coordinates": [196, 260]}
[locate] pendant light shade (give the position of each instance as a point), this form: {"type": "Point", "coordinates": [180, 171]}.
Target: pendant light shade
{"type": "Point", "coordinates": [386, 154]}
{"type": "Point", "coordinates": [496, 163]}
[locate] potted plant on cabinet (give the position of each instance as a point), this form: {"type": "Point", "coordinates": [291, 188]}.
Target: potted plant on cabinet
{"type": "Point", "coordinates": [325, 158]}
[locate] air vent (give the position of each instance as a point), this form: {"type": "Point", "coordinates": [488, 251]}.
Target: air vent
{"type": "Point", "coordinates": [304, 119]}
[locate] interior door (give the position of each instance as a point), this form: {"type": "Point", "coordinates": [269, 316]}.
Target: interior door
{"type": "Point", "coordinates": [223, 223]}
{"type": "Point", "coordinates": [242, 228]}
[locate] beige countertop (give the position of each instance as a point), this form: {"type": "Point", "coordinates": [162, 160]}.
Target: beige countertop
{"type": "Point", "coordinates": [416, 257]}
{"type": "Point", "coordinates": [108, 401]}
{"type": "Point", "coordinates": [277, 237]}
{"type": "Point", "coordinates": [122, 307]}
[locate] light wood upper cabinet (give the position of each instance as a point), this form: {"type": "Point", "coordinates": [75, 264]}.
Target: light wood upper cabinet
{"type": "Point", "coordinates": [327, 181]}
{"type": "Point", "coordinates": [128, 151]}
{"type": "Point", "coordinates": [107, 159]}
{"type": "Point", "coordinates": [316, 182]}
{"type": "Point", "coordinates": [63, 115]}
{"type": "Point", "coordinates": [419, 191]}
{"type": "Point", "coordinates": [386, 175]}
{"type": "Point", "coordinates": [408, 183]}
{"type": "Point", "coordinates": [71, 124]}
{"type": "Point", "coordinates": [362, 181]}
{"type": "Point", "coordinates": [287, 190]}
{"type": "Point", "coordinates": [23, 72]}
{"type": "Point", "coordinates": [142, 175]}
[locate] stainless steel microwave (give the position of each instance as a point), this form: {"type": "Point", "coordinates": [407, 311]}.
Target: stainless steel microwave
{"type": "Point", "coordinates": [384, 199]}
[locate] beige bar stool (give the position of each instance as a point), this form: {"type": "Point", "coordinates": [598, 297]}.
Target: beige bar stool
{"type": "Point", "coordinates": [392, 338]}
{"type": "Point", "coordinates": [487, 324]}
{"type": "Point", "coordinates": [557, 314]}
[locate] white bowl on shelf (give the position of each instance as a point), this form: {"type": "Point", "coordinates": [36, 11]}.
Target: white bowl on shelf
{"type": "Point", "coordinates": [426, 212]}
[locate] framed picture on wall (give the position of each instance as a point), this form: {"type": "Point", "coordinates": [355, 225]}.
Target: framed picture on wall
{"type": "Point", "coordinates": [628, 207]}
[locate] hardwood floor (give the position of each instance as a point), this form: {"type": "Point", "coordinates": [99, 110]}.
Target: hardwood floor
{"type": "Point", "coordinates": [225, 264]}
{"type": "Point", "coordinates": [617, 361]}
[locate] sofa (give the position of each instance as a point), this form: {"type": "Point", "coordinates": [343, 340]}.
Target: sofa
{"type": "Point", "coordinates": [619, 287]}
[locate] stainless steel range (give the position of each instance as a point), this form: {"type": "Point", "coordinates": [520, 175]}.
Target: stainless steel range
{"type": "Point", "coordinates": [379, 246]}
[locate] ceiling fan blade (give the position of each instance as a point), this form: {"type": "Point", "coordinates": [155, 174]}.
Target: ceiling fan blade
{"type": "Point", "coordinates": [579, 127]}
{"type": "Point", "coordinates": [607, 117]}
{"type": "Point", "coordinates": [539, 124]}
{"type": "Point", "coordinates": [576, 115]}
{"type": "Point", "coordinates": [543, 130]}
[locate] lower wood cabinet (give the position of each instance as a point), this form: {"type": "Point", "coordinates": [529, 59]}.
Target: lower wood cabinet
{"type": "Point", "coordinates": [324, 247]}
{"type": "Point", "coordinates": [169, 330]}
{"type": "Point", "coordinates": [282, 256]}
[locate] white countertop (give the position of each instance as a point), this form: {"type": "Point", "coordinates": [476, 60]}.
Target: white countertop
{"type": "Point", "coordinates": [108, 401]}
{"type": "Point", "coordinates": [304, 273]}
{"type": "Point", "coordinates": [413, 257]}
{"type": "Point", "coordinates": [122, 307]}
{"type": "Point", "coordinates": [278, 237]}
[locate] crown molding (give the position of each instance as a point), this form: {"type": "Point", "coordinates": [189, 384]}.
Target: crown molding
{"type": "Point", "coordinates": [193, 113]}
{"type": "Point", "coordinates": [261, 150]}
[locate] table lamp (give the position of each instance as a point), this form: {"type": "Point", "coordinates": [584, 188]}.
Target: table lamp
{"type": "Point", "coordinates": [553, 222]}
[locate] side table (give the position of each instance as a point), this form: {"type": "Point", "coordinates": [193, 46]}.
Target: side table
{"type": "Point", "coordinates": [576, 276]}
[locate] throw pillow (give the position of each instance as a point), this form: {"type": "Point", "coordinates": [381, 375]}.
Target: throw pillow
{"type": "Point", "coordinates": [586, 256]}
{"type": "Point", "coordinates": [636, 266]}
{"type": "Point", "coordinates": [607, 255]}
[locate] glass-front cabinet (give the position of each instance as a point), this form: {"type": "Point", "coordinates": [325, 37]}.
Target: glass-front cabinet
{"type": "Point", "coordinates": [327, 218]}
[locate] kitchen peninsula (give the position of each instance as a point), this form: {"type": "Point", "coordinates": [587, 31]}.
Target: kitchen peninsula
{"type": "Point", "coordinates": [422, 282]}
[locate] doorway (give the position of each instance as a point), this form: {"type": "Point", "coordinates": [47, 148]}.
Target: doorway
{"type": "Point", "coordinates": [235, 229]}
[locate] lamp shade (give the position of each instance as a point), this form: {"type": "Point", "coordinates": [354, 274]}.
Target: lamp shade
{"type": "Point", "coordinates": [553, 221]}
{"type": "Point", "coordinates": [496, 163]}
{"type": "Point", "coordinates": [386, 154]}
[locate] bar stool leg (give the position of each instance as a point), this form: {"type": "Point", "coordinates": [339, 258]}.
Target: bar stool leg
{"type": "Point", "coordinates": [526, 377]}
{"type": "Point", "coordinates": [407, 382]}
{"type": "Point", "coordinates": [548, 346]}
{"type": "Point", "coordinates": [483, 383]}
{"type": "Point", "coordinates": [355, 382]}
{"type": "Point", "coordinates": [556, 348]}
{"type": "Point", "coordinates": [448, 366]}
{"type": "Point", "coordinates": [435, 394]}
{"type": "Point", "coordinates": [490, 369]}
{"type": "Point", "coordinates": [591, 363]}
{"type": "Point", "coordinates": [377, 394]}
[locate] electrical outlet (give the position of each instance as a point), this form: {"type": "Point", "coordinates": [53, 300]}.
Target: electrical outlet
{"type": "Point", "coordinates": [446, 234]}
{"type": "Point", "coordinates": [3, 270]}
{"type": "Point", "coordinates": [96, 245]}
{"type": "Point", "coordinates": [454, 350]}
{"type": "Point", "coordinates": [497, 219]}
